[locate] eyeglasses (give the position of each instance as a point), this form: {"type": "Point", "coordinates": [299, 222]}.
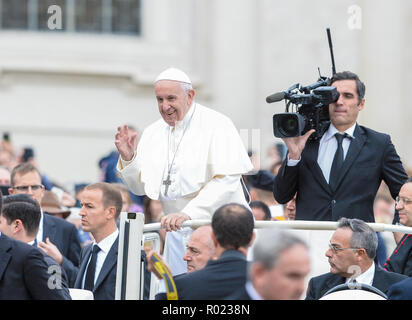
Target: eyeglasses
{"type": "Point", "coordinates": [336, 249]}
{"type": "Point", "coordinates": [405, 201]}
{"type": "Point", "coordinates": [26, 188]}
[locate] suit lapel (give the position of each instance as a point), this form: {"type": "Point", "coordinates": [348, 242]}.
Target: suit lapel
{"type": "Point", "coordinates": [354, 148]}
{"type": "Point", "coordinates": [311, 160]}
{"type": "Point", "coordinates": [109, 262]}
{"type": "Point", "coordinates": [5, 256]}
{"type": "Point", "coordinates": [82, 268]}
{"type": "Point", "coordinates": [49, 228]}
{"type": "Point", "coordinates": [379, 280]}
{"type": "Point", "coordinates": [332, 282]}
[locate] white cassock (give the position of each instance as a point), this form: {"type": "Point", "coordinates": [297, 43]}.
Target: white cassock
{"type": "Point", "coordinates": [205, 174]}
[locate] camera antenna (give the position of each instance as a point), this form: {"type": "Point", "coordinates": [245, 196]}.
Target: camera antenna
{"type": "Point", "coordinates": [331, 51]}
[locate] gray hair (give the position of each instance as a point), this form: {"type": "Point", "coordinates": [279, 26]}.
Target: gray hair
{"type": "Point", "coordinates": [363, 236]}
{"type": "Point", "coordinates": [186, 87]}
{"type": "Point", "coordinates": [270, 244]}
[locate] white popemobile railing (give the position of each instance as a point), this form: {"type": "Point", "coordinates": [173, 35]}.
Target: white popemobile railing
{"type": "Point", "coordinates": [133, 234]}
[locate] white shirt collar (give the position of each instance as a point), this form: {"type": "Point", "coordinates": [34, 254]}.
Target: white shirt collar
{"type": "Point", "coordinates": [332, 130]}
{"type": "Point", "coordinates": [107, 242]}
{"type": "Point", "coordinates": [366, 277]}
{"type": "Point", "coordinates": [254, 295]}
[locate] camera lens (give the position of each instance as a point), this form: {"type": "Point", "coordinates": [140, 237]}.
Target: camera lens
{"type": "Point", "coordinates": [289, 126]}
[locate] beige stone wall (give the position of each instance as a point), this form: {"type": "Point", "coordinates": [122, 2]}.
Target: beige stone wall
{"type": "Point", "coordinates": [65, 94]}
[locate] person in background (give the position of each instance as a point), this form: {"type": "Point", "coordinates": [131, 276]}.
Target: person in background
{"type": "Point", "coordinates": [260, 210]}
{"type": "Point", "coordinates": [279, 269]}
{"type": "Point", "coordinates": [400, 260]}
{"type": "Point", "coordinates": [153, 212]}
{"type": "Point", "coordinates": [56, 237]}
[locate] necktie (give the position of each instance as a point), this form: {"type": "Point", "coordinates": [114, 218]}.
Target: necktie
{"type": "Point", "coordinates": [91, 269]}
{"type": "Point", "coordinates": [337, 161]}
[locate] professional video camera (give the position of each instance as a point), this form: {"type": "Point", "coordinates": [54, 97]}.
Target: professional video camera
{"type": "Point", "coordinates": [311, 104]}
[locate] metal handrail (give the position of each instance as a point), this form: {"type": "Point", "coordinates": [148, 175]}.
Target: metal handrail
{"type": "Point", "coordinates": [294, 224]}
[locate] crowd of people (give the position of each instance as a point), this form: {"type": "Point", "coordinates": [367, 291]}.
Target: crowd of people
{"type": "Point", "coordinates": [191, 164]}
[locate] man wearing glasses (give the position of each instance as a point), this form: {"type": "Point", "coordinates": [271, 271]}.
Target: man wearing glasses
{"type": "Point", "coordinates": [56, 237]}
{"type": "Point", "coordinates": [351, 254]}
{"type": "Point", "coordinates": [401, 259]}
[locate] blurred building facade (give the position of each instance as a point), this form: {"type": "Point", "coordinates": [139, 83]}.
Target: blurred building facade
{"type": "Point", "coordinates": [65, 91]}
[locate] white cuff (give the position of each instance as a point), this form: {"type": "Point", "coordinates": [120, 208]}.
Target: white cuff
{"type": "Point", "coordinates": [292, 162]}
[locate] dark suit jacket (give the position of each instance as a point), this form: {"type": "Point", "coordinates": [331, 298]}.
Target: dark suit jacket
{"type": "Point", "coordinates": [105, 286]}
{"type": "Point", "coordinates": [217, 280]}
{"type": "Point", "coordinates": [401, 259]}
{"type": "Point", "coordinates": [371, 158]}
{"type": "Point", "coordinates": [241, 294]}
{"type": "Point", "coordinates": [24, 273]}
{"type": "Point", "coordinates": [319, 285]}
{"type": "Point", "coordinates": [64, 236]}
{"type": "Point", "coordinates": [401, 290]}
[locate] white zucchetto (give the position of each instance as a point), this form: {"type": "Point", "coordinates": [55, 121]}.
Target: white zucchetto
{"type": "Point", "coordinates": [174, 75]}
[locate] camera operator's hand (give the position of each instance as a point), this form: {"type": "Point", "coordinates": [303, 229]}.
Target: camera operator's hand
{"type": "Point", "coordinates": [296, 145]}
{"type": "Point", "coordinates": [126, 142]}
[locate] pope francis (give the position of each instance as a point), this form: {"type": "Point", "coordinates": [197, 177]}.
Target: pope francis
{"type": "Point", "coordinates": [191, 160]}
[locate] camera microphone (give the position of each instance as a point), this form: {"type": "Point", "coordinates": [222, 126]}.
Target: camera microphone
{"type": "Point", "coordinates": [276, 97]}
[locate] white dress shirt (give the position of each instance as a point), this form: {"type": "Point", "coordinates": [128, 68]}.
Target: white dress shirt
{"type": "Point", "coordinates": [327, 149]}
{"type": "Point", "coordinates": [105, 245]}
{"type": "Point", "coordinates": [254, 295]}
{"type": "Point", "coordinates": [39, 236]}
{"type": "Point", "coordinates": [366, 277]}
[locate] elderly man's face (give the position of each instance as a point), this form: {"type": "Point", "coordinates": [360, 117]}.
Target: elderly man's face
{"type": "Point", "coordinates": [342, 260]}
{"type": "Point", "coordinates": [404, 205]}
{"type": "Point", "coordinates": [200, 249]}
{"type": "Point", "coordinates": [172, 101]}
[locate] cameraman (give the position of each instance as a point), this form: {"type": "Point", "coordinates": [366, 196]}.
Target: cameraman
{"type": "Point", "coordinates": [338, 176]}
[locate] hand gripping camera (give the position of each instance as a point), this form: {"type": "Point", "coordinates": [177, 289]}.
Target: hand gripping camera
{"type": "Point", "coordinates": [311, 104]}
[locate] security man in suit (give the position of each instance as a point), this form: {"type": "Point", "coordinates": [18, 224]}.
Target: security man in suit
{"type": "Point", "coordinates": [101, 204]}
{"type": "Point", "coordinates": [56, 237]}
{"type": "Point", "coordinates": [24, 272]}
{"type": "Point", "coordinates": [351, 254]}
{"type": "Point", "coordinates": [19, 219]}
{"type": "Point", "coordinates": [339, 175]}
{"type": "Point", "coordinates": [232, 233]}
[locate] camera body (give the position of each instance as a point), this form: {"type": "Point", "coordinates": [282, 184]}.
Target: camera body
{"type": "Point", "coordinates": [312, 109]}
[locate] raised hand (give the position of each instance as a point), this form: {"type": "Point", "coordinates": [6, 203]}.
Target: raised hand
{"type": "Point", "coordinates": [126, 142]}
{"type": "Point", "coordinates": [296, 145]}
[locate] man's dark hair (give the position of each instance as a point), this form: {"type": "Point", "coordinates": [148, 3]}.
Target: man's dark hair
{"type": "Point", "coordinates": [21, 170]}
{"type": "Point", "coordinates": [19, 197]}
{"type": "Point", "coordinates": [24, 208]}
{"type": "Point", "coordinates": [263, 206]}
{"type": "Point", "coordinates": [233, 226]}
{"type": "Point", "coordinates": [1, 201]}
{"type": "Point", "coordinates": [347, 75]}
{"type": "Point", "coordinates": [111, 195]}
